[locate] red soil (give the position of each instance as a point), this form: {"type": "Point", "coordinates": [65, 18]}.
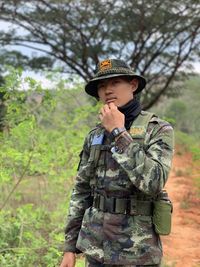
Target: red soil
{"type": "Point", "coordinates": [182, 246]}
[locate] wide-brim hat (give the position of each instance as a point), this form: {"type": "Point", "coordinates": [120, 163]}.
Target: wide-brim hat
{"type": "Point", "coordinates": [110, 68]}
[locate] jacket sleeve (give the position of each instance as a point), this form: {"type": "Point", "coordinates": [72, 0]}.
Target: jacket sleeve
{"type": "Point", "coordinates": [147, 166]}
{"type": "Point", "coordinates": [79, 200]}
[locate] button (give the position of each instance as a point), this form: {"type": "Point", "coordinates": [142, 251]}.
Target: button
{"type": "Point", "coordinates": [118, 150]}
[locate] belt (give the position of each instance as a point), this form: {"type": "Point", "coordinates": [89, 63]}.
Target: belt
{"type": "Point", "coordinates": [130, 205]}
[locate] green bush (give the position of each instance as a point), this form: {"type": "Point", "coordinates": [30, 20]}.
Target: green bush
{"type": "Point", "coordinates": [40, 145]}
{"type": "Point", "coordinates": [27, 238]}
{"type": "Point", "coordinates": [189, 143]}
{"type": "Point", "coordinates": [184, 111]}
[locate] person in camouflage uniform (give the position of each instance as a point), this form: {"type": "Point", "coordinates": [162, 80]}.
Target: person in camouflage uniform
{"type": "Point", "coordinates": [123, 166]}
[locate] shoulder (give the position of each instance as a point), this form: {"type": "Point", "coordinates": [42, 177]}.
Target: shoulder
{"type": "Point", "coordinates": [159, 125]}
{"type": "Point", "coordinates": [160, 130]}
{"type": "Point", "coordinates": [153, 118]}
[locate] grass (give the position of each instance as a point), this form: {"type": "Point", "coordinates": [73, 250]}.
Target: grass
{"type": "Point", "coordinates": [191, 144]}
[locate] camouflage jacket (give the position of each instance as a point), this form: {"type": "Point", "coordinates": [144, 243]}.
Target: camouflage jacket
{"type": "Point", "coordinates": [131, 168]}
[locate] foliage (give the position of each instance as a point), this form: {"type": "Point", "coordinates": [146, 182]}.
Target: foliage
{"type": "Point", "coordinates": [157, 38]}
{"type": "Point", "coordinates": [44, 133]}
{"type": "Point", "coordinates": [177, 111]}
{"type": "Point", "coordinates": [29, 238]}
{"type": "Point", "coordinates": [183, 112]}
{"type": "Point", "coordinates": [80, 262]}
{"type": "Point", "coordinates": [16, 59]}
{"type": "Point", "coordinates": [189, 142]}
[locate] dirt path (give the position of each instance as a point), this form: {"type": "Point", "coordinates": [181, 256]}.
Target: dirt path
{"type": "Point", "coordinates": [182, 246]}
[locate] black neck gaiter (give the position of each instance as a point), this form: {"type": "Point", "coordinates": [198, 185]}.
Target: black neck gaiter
{"type": "Point", "coordinates": [131, 110]}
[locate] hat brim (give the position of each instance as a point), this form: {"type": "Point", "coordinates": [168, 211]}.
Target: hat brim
{"type": "Point", "coordinates": [91, 86]}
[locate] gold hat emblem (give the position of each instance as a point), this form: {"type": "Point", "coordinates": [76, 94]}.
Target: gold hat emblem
{"type": "Point", "coordinates": [106, 64]}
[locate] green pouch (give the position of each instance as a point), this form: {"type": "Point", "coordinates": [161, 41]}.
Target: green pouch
{"type": "Point", "coordinates": [162, 216]}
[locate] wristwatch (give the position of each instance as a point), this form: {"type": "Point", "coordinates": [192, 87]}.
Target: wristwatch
{"type": "Point", "coordinates": [117, 131]}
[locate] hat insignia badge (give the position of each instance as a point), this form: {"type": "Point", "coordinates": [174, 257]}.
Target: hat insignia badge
{"type": "Point", "coordinates": [105, 64]}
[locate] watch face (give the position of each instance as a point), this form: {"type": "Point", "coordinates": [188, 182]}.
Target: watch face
{"type": "Point", "coordinates": [115, 131]}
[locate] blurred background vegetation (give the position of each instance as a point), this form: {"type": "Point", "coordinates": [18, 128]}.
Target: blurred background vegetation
{"type": "Point", "coordinates": [42, 128]}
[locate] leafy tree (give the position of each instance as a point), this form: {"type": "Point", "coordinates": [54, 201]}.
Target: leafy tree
{"type": "Point", "coordinates": [177, 110]}
{"type": "Point", "coordinates": [191, 115]}
{"type": "Point", "coordinates": [184, 111]}
{"type": "Point", "coordinates": [157, 38]}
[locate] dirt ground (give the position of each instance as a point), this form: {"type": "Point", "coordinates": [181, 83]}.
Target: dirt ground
{"type": "Point", "coordinates": [182, 246]}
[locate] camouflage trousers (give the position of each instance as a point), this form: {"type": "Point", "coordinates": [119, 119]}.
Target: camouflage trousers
{"type": "Point", "coordinates": [91, 262]}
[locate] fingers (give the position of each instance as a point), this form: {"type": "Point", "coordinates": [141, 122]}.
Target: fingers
{"type": "Point", "coordinates": [107, 107]}
{"type": "Point", "coordinates": [112, 105]}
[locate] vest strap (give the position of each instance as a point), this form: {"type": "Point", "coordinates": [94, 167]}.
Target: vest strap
{"type": "Point", "coordinates": [139, 126]}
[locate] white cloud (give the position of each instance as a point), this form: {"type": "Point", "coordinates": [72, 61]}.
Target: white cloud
{"type": "Point", "coordinates": [196, 66]}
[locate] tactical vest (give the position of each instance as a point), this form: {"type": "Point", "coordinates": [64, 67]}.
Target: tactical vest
{"type": "Point", "coordinates": [137, 130]}
{"type": "Point", "coordinates": [159, 207]}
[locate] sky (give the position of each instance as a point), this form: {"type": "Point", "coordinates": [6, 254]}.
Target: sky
{"type": "Point", "coordinates": [29, 52]}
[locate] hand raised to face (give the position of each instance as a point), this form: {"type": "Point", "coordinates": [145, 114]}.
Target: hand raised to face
{"type": "Point", "coordinates": [111, 117]}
